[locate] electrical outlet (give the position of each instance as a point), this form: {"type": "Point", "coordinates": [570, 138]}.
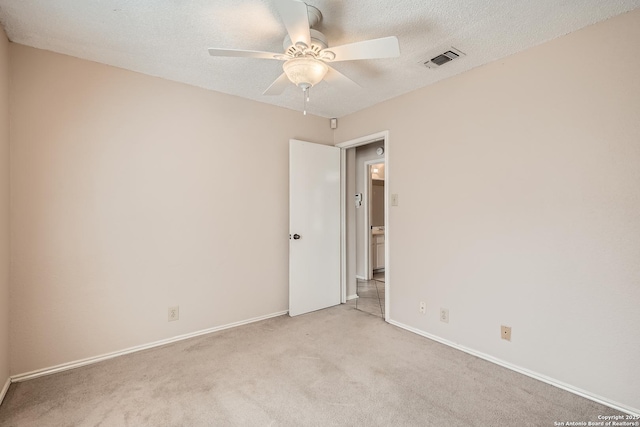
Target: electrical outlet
{"type": "Point", "coordinates": [174, 313]}
{"type": "Point", "coordinates": [423, 307]}
{"type": "Point", "coordinates": [444, 315]}
{"type": "Point", "coordinates": [505, 332]}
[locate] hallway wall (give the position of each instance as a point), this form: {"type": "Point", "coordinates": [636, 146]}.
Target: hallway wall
{"type": "Point", "coordinates": [363, 153]}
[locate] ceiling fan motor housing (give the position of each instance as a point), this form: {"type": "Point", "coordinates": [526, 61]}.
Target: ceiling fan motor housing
{"type": "Point", "coordinates": [314, 14]}
{"type": "Point", "coordinates": [318, 42]}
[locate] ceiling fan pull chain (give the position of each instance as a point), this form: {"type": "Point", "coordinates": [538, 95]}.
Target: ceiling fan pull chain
{"type": "Point", "coordinates": [305, 95]}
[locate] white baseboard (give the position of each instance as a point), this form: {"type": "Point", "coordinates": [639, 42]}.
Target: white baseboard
{"type": "Point", "coordinates": [91, 360]}
{"type": "Point", "coordinates": [534, 375]}
{"type": "Point", "coordinates": [3, 393]}
{"type": "Point", "coordinates": [361, 277]}
{"type": "Point", "coordinates": [354, 296]}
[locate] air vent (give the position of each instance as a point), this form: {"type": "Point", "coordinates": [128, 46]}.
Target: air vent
{"type": "Point", "coordinates": [443, 58]}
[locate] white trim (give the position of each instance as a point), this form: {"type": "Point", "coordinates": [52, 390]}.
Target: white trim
{"type": "Point", "coordinates": [360, 277]}
{"type": "Point", "coordinates": [564, 386]}
{"type": "Point", "coordinates": [343, 226]}
{"type": "Point", "coordinates": [3, 393]}
{"type": "Point", "coordinates": [366, 205]}
{"type": "Point", "coordinates": [354, 296]}
{"type": "Point", "coordinates": [364, 140]}
{"type": "Point", "coordinates": [387, 250]}
{"type": "Point", "coordinates": [91, 360]}
{"type": "Point", "coordinates": [384, 136]}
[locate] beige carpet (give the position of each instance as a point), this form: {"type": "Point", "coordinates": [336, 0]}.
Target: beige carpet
{"type": "Point", "coordinates": [338, 366]}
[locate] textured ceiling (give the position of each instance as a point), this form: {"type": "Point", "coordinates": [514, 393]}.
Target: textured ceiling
{"type": "Point", "coordinates": [169, 39]}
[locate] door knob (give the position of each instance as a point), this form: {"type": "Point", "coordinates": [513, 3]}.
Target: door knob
{"type": "Point", "coordinates": [296, 237]}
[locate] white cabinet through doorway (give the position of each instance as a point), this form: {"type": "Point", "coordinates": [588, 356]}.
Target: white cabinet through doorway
{"type": "Point", "coordinates": [377, 250]}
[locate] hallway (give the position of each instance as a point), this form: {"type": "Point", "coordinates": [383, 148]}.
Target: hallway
{"type": "Point", "coordinates": [371, 295]}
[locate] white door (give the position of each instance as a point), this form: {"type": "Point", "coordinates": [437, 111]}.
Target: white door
{"type": "Point", "coordinates": [314, 227]}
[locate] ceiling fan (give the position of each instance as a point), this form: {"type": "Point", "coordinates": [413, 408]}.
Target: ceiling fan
{"type": "Point", "coordinates": [306, 52]}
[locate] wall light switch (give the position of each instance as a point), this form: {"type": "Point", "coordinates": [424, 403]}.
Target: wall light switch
{"type": "Point", "coordinates": [394, 200]}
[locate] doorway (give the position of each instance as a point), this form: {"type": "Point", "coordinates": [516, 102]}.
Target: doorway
{"type": "Point", "coordinates": [373, 219]}
{"type": "Point", "coordinates": [362, 286]}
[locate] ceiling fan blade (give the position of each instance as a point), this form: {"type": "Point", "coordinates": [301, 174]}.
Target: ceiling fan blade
{"type": "Point", "coordinates": [278, 86]}
{"type": "Point", "coordinates": [296, 19]}
{"type": "Point", "coordinates": [245, 53]}
{"type": "Point", "coordinates": [336, 78]}
{"type": "Point", "coordinates": [386, 47]}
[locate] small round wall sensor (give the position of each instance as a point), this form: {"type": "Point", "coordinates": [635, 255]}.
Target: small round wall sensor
{"type": "Point", "coordinates": [380, 151]}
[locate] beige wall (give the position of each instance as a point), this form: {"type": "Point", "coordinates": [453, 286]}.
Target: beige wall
{"type": "Point", "coordinates": [519, 191]}
{"type": "Point", "coordinates": [4, 209]}
{"type": "Point", "coordinates": [132, 194]}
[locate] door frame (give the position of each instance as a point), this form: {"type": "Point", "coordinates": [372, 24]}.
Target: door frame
{"type": "Point", "coordinates": [352, 143]}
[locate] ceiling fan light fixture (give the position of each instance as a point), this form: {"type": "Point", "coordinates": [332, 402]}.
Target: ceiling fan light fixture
{"type": "Point", "coordinates": [305, 72]}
